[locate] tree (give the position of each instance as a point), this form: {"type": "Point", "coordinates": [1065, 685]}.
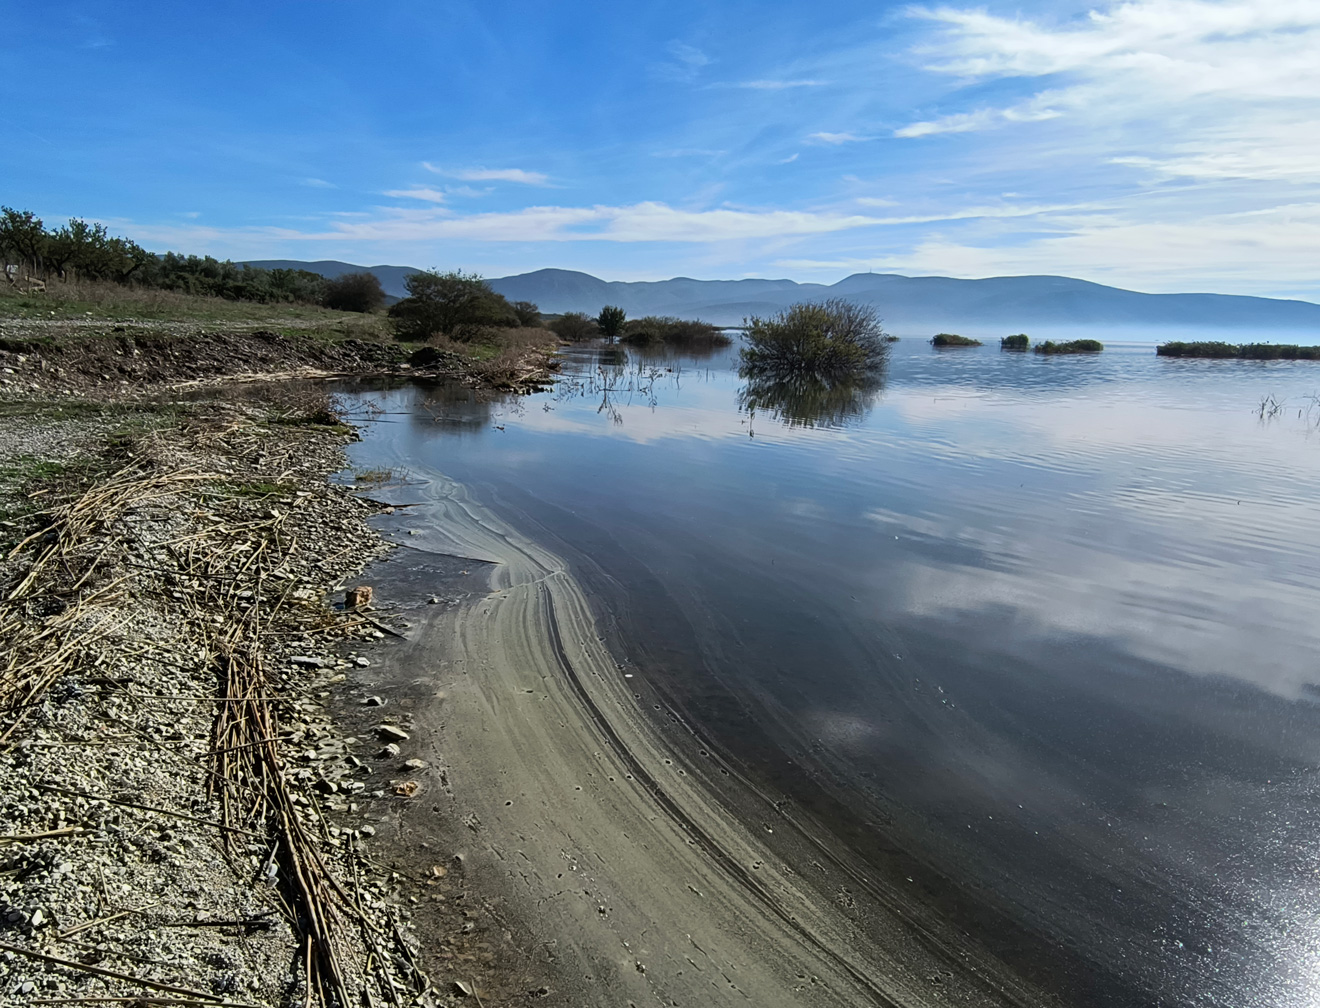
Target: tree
{"type": "Point", "coordinates": [22, 237]}
{"type": "Point", "coordinates": [528, 314]}
{"type": "Point", "coordinates": [610, 321]}
{"type": "Point", "coordinates": [355, 292]}
{"type": "Point", "coordinates": [454, 304]}
{"type": "Point", "coordinates": [827, 338]}
{"type": "Point", "coordinates": [575, 326]}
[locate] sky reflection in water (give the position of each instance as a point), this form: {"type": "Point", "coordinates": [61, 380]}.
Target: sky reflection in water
{"type": "Point", "coordinates": [1051, 620]}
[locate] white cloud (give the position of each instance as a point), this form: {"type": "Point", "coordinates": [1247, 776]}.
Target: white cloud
{"type": "Point", "coordinates": [491, 174]}
{"type": "Point", "coordinates": [316, 183]}
{"type": "Point", "coordinates": [1194, 88]}
{"type": "Point", "coordinates": [638, 222]}
{"type": "Point", "coordinates": [1036, 110]}
{"type": "Point", "coordinates": [419, 193]}
{"type": "Point", "coordinates": [1247, 252]}
{"type": "Point", "coordinates": [836, 139]}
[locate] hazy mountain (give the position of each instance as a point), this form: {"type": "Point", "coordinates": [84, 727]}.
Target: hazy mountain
{"type": "Point", "coordinates": [905, 303]}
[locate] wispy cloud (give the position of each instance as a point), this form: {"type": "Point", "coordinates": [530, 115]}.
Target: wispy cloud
{"type": "Point", "coordinates": [420, 193]}
{"type": "Point", "coordinates": [837, 139]}
{"type": "Point", "coordinates": [517, 175]}
{"type": "Point", "coordinates": [683, 64]}
{"type": "Point", "coordinates": [1204, 89]}
{"type": "Point", "coordinates": [317, 183]}
{"type": "Point", "coordinates": [1037, 110]}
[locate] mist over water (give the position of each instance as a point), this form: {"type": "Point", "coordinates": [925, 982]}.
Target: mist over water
{"type": "Point", "coordinates": [1035, 634]}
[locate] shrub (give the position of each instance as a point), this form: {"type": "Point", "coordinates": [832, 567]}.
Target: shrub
{"type": "Point", "coordinates": [945, 339]}
{"type": "Point", "coordinates": [827, 338]}
{"type": "Point", "coordinates": [1207, 348]}
{"type": "Point", "coordinates": [1018, 342]}
{"type": "Point", "coordinates": [610, 321]}
{"type": "Point", "coordinates": [528, 314]}
{"type": "Point", "coordinates": [355, 292]}
{"type": "Point", "coordinates": [1071, 347]}
{"type": "Point", "coordinates": [1247, 351]}
{"type": "Point", "coordinates": [1278, 351]}
{"type": "Point", "coordinates": [455, 304]}
{"type": "Point", "coordinates": [693, 334]}
{"type": "Point", "coordinates": [574, 326]}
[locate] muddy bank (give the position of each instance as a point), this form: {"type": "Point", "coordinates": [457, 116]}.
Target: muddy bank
{"type": "Point", "coordinates": [133, 359]}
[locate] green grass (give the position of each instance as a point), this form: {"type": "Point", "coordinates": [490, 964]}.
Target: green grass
{"type": "Point", "coordinates": [1246, 351]}
{"type": "Point", "coordinates": [1077, 346]}
{"type": "Point", "coordinates": [945, 339]}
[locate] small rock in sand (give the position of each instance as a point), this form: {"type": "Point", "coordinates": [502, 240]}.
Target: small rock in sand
{"type": "Point", "coordinates": [391, 733]}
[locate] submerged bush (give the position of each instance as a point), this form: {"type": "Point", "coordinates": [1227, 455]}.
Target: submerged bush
{"type": "Point", "coordinates": [946, 339]}
{"type": "Point", "coordinates": [1070, 347]}
{"type": "Point", "coordinates": [1245, 351]}
{"type": "Point", "coordinates": [1279, 351]}
{"type": "Point", "coordinates": [827, 338]}
{"type": "Point", "coordinates": [654, 330]}
{"type": "Point", "coordinates": [1018, 342]}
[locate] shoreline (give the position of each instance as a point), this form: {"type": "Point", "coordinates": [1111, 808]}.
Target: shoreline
{"type": "Point", "coordinates": [659, 872]}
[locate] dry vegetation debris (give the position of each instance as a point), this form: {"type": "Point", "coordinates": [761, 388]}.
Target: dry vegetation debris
{"type": "Point", "coordinates": [178, 818]}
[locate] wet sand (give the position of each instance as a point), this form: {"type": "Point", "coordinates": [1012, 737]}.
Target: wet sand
{"type": "Point", "coordinates": [628, 858]}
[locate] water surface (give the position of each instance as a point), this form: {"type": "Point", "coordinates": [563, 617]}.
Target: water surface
{"type": "Point", "coordinates": [1035, 635]}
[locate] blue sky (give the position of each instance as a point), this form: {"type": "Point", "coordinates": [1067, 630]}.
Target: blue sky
{"type": "Point", "coordinates": [1159, 144]}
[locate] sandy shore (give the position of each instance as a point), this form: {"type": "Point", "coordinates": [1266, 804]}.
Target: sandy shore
{"type": "Point", "coordinates": [630, 860]}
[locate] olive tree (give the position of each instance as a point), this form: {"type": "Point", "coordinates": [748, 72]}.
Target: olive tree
{"type": "Point", "coordinates": [454, 304]}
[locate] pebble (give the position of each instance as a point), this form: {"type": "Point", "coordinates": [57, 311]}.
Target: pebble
{"type": "Point", "coordinates": [392, 733]}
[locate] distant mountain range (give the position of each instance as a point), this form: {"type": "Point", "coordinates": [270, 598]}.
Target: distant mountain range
{"type": "Point", "coordinates": [905, 303]}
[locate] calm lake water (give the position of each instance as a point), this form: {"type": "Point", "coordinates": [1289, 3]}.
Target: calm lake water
{"type": "Point", "coordinates": [1039, 635]}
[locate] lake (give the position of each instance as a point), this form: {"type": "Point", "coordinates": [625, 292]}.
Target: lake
{"type": "Point", "coordinates": [1032, 640]}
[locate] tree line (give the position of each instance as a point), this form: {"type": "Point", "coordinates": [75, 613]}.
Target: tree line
{"type": "Point", "coordinates": [84, 250]}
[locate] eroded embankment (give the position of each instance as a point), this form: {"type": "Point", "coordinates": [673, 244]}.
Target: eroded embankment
{"type": "Point", "coordinates": [631, 874]}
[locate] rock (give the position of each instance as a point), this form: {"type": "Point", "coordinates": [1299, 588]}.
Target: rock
{"type": "Point", "coordinates": [307, 661]}
{"type": "Point", "coordinates": [389, 752]}
{"type": "Point", "coordinates": [391, 733]}
{"type": "Point", "coordinates": [367, 830]}
{"type": "Point", "coordinates": [433, 601]}
{"type": "Point", "coordinates": [361, 662]}
{"type": "Point", "coordinates": [407, 789]}
{"type": "Point", "coordinates": [373, 701]}
{"type": "Point", "coordinates": [415, 764]}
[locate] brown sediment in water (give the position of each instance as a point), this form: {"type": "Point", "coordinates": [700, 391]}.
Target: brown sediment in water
{"type": "Point", "coordinates": [622, 862]}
